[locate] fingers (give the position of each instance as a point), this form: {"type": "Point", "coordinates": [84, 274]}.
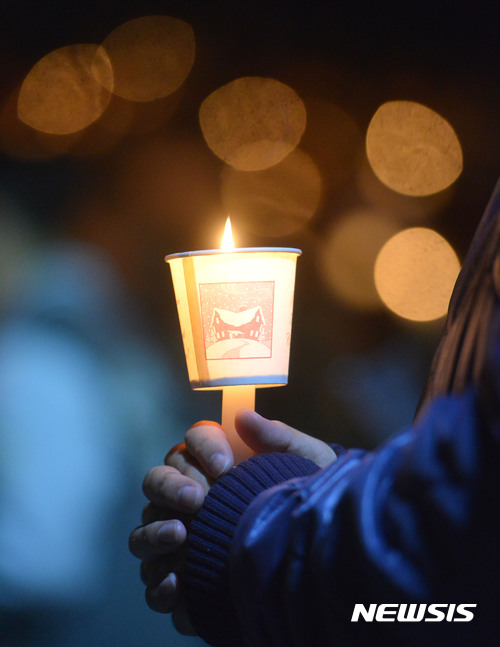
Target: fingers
{"type": "Point", "coordinates": [204, 456]}
{"type": "Point", "coordinates": [167, 488]}
{"type": "Point", "coordinates": [161, 547]}
{"type": "Point", "coordinates": [157, 539]}
{"type": "Point", "coordinates": [180, 458]}
{"type": "Point", "coordinates": [152, 513]}
{"type": "Point", "coordinates": [264, 435]}
{"type": "Point", "coordinates": [176, 489]}
{"type": "Point", "coordinates": [153, 573]}
{"type": "Point", "coordinates": [207, 442]}
{"type": "Point", "coordinates": [164, 596]}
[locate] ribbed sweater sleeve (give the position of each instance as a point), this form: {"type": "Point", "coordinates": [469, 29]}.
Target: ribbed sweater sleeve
{"type": "Point", "coordinates": [208, 598]}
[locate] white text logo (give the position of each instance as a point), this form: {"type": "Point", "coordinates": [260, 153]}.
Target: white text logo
{"type": "Point", "coordinates": [413, 612]}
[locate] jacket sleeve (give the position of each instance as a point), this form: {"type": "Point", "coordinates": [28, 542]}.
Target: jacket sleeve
{"type": "Point", "coordinates": [415, 522]}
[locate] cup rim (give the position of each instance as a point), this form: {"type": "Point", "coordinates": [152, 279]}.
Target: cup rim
{"type": "Point", "coordinates": [236, 250]}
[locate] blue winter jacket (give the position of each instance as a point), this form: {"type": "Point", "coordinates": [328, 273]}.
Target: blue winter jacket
{"type": "Point", "coordinates": [284, 554]}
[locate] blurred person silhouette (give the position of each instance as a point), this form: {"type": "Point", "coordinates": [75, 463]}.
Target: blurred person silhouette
{"type": "Point", "coordinates": [280, 549]}
{"type": "Point", "coordinates": [86, 401]}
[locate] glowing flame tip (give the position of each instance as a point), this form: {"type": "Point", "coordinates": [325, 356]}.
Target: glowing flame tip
{"type": "Point", "coordinates": [227, 239]}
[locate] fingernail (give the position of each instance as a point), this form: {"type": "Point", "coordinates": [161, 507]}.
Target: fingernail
{"type": "Point", "coordinates": [168, 586]}
{"type": "Point", "coordinates": [169, 532]}
{"type": "Point", "coordinates": [188, 497]}
{"type": "Point", "coordinates": [218, 464]}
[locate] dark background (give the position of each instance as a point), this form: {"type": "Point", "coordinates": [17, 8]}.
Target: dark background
{"type": "Point", "coordinates": [355, 375]}
{"type": "Point", "coordinates": [355, 54]}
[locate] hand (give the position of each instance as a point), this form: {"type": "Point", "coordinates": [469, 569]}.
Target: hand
{"type": "Point", "coordinates": [177, 491]}
{"type": "Point", "coordinates": [264, 436]}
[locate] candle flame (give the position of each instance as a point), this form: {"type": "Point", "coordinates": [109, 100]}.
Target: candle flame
{"type": "Point", "coordinates": [227, 239]}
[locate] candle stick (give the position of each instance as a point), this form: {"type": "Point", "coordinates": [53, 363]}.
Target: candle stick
{"type": "Point", "coordinates": [235, 311]}
{"type": "Point", "coordinates": [235, 398]}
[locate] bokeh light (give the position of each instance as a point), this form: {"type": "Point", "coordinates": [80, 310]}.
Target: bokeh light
{"type": "Point", "coordinates": [123, 119]}
{"type": "Point", "coordinates": [23, 142]}
{"type": "Point", "coordinates": [412, 149]}
{"type": "Point", "coordinates": [253, 122]}
{"type": "Point", "coordinates": [408, 209]}
{"type": "Point", "coordinates": [347, 256]}
{"type": "Point", "coordinates": [151, 57]}
{"type": "Point", "coordinates": [276, 201]}
{"type": "Point", "coordinates": [120, 121]}
{"type": "Point", "coordinates": [415, 273]}
{"type": "Point", "coordinates": [64, 91]}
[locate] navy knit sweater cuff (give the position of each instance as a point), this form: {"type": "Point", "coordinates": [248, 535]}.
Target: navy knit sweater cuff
{"type": "Point", "coordinates": [206, 576]}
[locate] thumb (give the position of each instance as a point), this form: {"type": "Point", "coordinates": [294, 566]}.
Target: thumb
{"type": "Point", "coordinates": [263, 436]}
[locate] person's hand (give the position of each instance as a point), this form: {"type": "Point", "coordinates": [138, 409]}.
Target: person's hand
{"type": "Point", "coordinates": [177, 490]}
{"type": "Point", "coordinates": [265, 436]}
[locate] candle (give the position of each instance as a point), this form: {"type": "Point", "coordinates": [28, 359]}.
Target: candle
{"type": "Point", "coordinates": [235, 310]}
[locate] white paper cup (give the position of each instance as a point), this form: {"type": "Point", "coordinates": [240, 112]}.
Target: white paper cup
{"type": "Point", "coordinates": [235, 312]}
